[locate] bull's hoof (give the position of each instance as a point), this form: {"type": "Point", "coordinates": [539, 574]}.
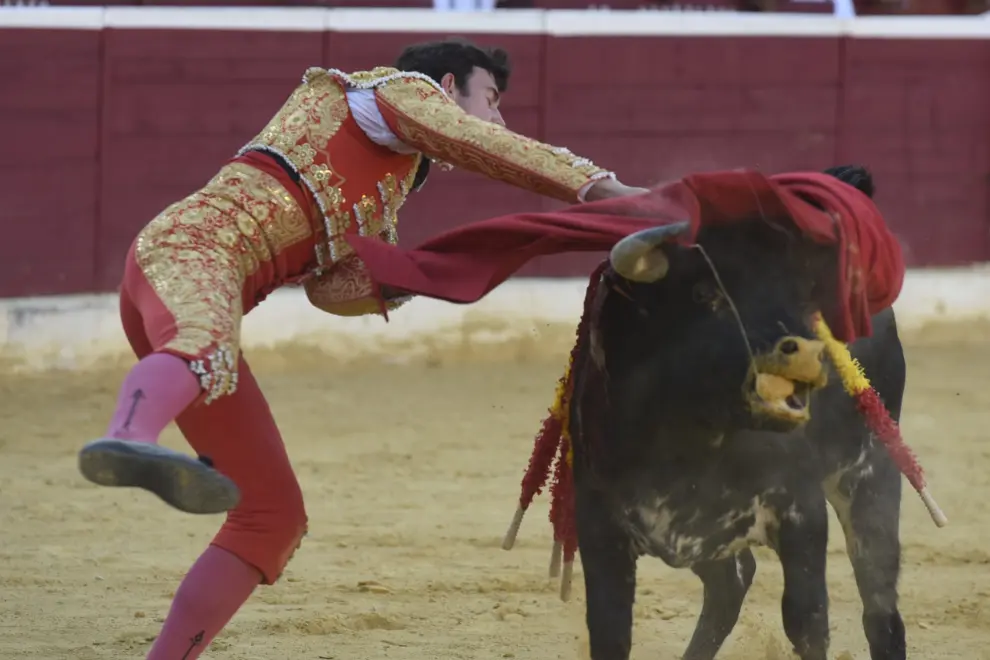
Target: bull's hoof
{"type": "Point", "coordinates": [186, 483]}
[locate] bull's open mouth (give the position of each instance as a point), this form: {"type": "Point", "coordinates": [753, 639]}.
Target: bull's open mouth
{"type": "Point", "coordinates": [799, 400]}
{"type": "Point", "coordinates": [782, 398]}
{"type": "Point", "coordinates": [781, 381]}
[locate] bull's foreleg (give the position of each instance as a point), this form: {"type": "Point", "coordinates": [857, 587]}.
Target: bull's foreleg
{"type": "Point", "coordinates": [726, 583]}
{"type": "Point", "coordinates": [867, 503]}
{"type": "Point", "coordinates": [609, 565]}
{"type": "Point", "coordinates": [801, 545]}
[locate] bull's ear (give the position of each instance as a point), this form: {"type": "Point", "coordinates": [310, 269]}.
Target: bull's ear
{"type": "Point", "coordinates": [856, 176]}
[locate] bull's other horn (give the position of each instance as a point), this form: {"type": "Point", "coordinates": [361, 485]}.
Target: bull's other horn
{"type": "Point", "coordinates": [636, 256]}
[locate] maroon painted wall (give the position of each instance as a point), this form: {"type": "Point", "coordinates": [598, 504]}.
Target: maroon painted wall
{"type": "Point", "coordinates": [106, 128]}
{"type": "Point", "coordinates": [49, 162]}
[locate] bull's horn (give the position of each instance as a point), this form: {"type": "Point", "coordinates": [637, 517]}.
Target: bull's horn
{"type": "Point", "coordinates": [636, 256]}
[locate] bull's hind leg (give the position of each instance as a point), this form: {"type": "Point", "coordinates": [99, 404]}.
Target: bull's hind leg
{"type": "Point", "coordinates": [726, 583]}
{"type": "Point", "coordinates": [801, 545]}
{"type": "Point", "coordinates": [867, 501]}
{"type": "Point", "coordinates": [609, 564]}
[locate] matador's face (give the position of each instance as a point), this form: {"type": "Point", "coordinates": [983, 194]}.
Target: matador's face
{"type": "Point", "coordinates": [478, 97]}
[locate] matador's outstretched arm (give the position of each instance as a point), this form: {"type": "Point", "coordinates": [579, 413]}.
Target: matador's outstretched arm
{"type": "Point", "coordinates": [425, 118]}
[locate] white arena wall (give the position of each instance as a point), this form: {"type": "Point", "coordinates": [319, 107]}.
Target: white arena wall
{"type": "Point", "coordinates": [78, 332]}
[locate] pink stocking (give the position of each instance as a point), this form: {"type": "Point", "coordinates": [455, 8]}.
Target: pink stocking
{"type": "Point", "coordinates": [212, 592]}
{"type": "Point", "coordinates": [156, 391]}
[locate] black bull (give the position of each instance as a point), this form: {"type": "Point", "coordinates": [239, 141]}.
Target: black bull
{"type": "Point", "coordinates": [681, 453]}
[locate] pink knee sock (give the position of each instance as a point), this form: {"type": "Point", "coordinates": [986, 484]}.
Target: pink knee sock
{"type": "Point", "coordinates": [156, 391]}
{"type": "Point", "coordinates": [212, 592]}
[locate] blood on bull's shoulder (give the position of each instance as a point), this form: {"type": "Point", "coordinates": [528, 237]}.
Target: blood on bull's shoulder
{"type": "Point", "coordinates": [706, 418]}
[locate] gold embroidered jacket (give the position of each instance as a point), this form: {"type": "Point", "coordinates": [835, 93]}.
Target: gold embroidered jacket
{"type": "Point", "coordinates": [359, 186]}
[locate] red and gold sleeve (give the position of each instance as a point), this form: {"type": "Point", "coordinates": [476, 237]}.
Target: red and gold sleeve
{"type": "Point", "coordinates": [425, 118]}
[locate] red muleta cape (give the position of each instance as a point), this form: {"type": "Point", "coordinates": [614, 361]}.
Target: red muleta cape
{"type": "Point", "coordinates": [465, 264]}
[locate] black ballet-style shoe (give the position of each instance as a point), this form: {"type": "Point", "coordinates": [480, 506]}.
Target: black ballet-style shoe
{"type": "Point", "coordinates": [186, 483]}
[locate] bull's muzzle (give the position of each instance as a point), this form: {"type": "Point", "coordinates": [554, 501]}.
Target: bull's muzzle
{"type": "Point", "coordinates": [637, 257]}
{"type": "Point", "coordinates": [782, 381]}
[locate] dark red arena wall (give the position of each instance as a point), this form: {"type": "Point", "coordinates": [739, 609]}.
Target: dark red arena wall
{"type": "Point", "coordinates": [49, 161]}
{"type": "Point", "coordinates": [106, 127]}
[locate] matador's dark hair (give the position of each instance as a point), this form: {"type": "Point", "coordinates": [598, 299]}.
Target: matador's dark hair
{"type": "Point", "coordinates": [457, 56]}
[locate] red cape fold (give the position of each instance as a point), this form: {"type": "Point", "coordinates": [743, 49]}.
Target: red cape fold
{"type": "Point", "coordinates": [465, 264]}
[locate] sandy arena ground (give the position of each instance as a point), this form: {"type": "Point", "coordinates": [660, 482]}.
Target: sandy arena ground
{"type": "Point", "coordinates": [411, 474]}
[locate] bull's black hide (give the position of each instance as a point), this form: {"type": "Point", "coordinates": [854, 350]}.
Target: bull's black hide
{"type": "Point", "coordinates": [675, 459]}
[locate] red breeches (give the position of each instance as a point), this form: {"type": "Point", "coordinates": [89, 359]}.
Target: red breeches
{"type": "Point", "coordinates": [238, 434]}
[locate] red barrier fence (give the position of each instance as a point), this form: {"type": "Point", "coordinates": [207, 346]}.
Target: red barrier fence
{"type": "Point", "coordinates": [112, 114]}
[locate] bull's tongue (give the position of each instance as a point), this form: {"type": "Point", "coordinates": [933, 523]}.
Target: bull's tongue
{"type": "Point", "coordinates": [780, 397]}
{"type": "Point", "coordinates": [770, 387]}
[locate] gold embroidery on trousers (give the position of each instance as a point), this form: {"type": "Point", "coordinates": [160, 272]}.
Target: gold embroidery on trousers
{"type": "Point", "coordinates": [197, 255]}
